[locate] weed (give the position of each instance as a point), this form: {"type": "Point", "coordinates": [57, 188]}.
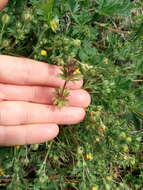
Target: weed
{"type": "Point", "coordinates": [105, 39]}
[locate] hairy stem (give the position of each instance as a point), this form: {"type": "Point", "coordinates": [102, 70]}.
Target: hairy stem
{"type": "Point", "coordinates": [64, 86]}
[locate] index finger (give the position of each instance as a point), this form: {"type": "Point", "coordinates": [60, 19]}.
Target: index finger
{"type": "Point", "coordinates": [23, 71]}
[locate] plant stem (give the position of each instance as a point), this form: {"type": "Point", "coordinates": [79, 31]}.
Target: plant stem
{"type": "Point", "coordinates": [62, 92]}
{"type": "Point", "coordinates": [2, 31]}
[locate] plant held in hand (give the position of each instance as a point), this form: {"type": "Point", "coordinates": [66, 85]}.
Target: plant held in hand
{"type": "Point", "coordinates": [70, 72]}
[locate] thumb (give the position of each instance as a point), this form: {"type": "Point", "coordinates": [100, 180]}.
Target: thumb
{"type": "Point", "coordinates": [3, 4]}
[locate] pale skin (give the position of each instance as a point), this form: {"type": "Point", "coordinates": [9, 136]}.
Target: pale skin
{"type": "Point", "coordinates": [27, 88]}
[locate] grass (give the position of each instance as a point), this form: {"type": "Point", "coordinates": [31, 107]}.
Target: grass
{"type": "Point", "coordinates": [105, 151]}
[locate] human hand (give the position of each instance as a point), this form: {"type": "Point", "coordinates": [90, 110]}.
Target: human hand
{"type": "Point", "coordinates": [27, 88]}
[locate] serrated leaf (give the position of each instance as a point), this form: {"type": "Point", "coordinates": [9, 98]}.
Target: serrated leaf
{"type": "Point", "coordinates": [73, 5]}
{"type": "Point", "coordinates": [83, 18]}
{"type": "Point", "coordinates": [62, 76]}
{"type": "Point", "coordinates": [66, 93]}
{"type": "Point", "coordinates": [114, 7]}
{"type": "Point", "coordinates": [47, 8]}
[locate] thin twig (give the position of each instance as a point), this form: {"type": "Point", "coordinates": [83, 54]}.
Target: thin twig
{"type": "Point", "coordinates": [116, 30]}
{"type": "Point", "coordinates": [101, 45]}
{"type": "Point", "coordinates": [137, 80]}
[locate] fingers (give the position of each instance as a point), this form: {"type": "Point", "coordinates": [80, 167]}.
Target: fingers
{"type": "Point", "coordinates": [41, 94]}
{"type": "Point", "coordinates": [3, 4]}
{"type": "Point", "coordinates": [23, 71]}
{"type": "Point", "coordinates": [18, 112]}
{"type": "Point", "coordinates": [27, 134]}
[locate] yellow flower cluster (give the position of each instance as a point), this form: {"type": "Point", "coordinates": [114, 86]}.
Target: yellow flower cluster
{"type": "Point", "coordinates": [89, 156]}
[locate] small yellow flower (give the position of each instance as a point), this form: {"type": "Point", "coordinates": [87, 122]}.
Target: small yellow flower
{"type": "Point", "coordinates": [54, 24]}
{"type": "Point", "coordinates": [89, 156]}
{"type": "Point", "coordinates": [1, 172]}
{"type": "Point", "coordinates": [77, 71]}
{"type": "Point", "coordinates": [43, 52]}
{"type": "Point", "coordinates": [17, 147]}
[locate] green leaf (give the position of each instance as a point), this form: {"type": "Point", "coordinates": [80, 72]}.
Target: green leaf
{"type": "Point", "coordinates": [73, 5]}
{"type": "Point", "coordinates": [83, 18]}
{"type": "Point", "coordinates": [137, 112]}
{"type": "Point", "coordinates": [88, 52]}
{"type": "Point", "coordinates": [139, 31]}
{"type": "Point", "coordinates": [47, 8]}
{"type": "Point", "coordinates": [114, 7]}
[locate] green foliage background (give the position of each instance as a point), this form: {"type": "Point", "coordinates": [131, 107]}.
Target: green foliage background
{"type": "Point", "coordinates": [111, 56]}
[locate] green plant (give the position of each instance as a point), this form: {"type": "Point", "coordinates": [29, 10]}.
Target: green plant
{"type": "Point", "coordinates": [104, 38]}
{"type": "Point", "coordinates": [70, 72]}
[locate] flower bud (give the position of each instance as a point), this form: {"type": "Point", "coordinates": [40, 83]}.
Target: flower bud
{"type": "Point", "coordinates": [27, 16]}
{"type": "Point", "coordinates": [77, 43]}
{"type": "Point", "coordinates": [18, 24]}
{"type": "Point", "coordinates": [95, 187]}
{"type": "Point", "coordinates": [129, 139]}
{"type": "Point", "coordinates": [122, 135]}
{"type": "Point", "coordinates": [80, 150]}
{"type": "Point", "coordinates": [109, 178]}
{"type": "Point", "coordinates": [97, 139]}
{"type": "Point", "coordinates": [5, 19]}
{"type": "Point", "coordinates": [66, 41]}
{"type": "Point", "coordinates": [125, 148]}
{"type": "Point", "coordinates": [5, 43]}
